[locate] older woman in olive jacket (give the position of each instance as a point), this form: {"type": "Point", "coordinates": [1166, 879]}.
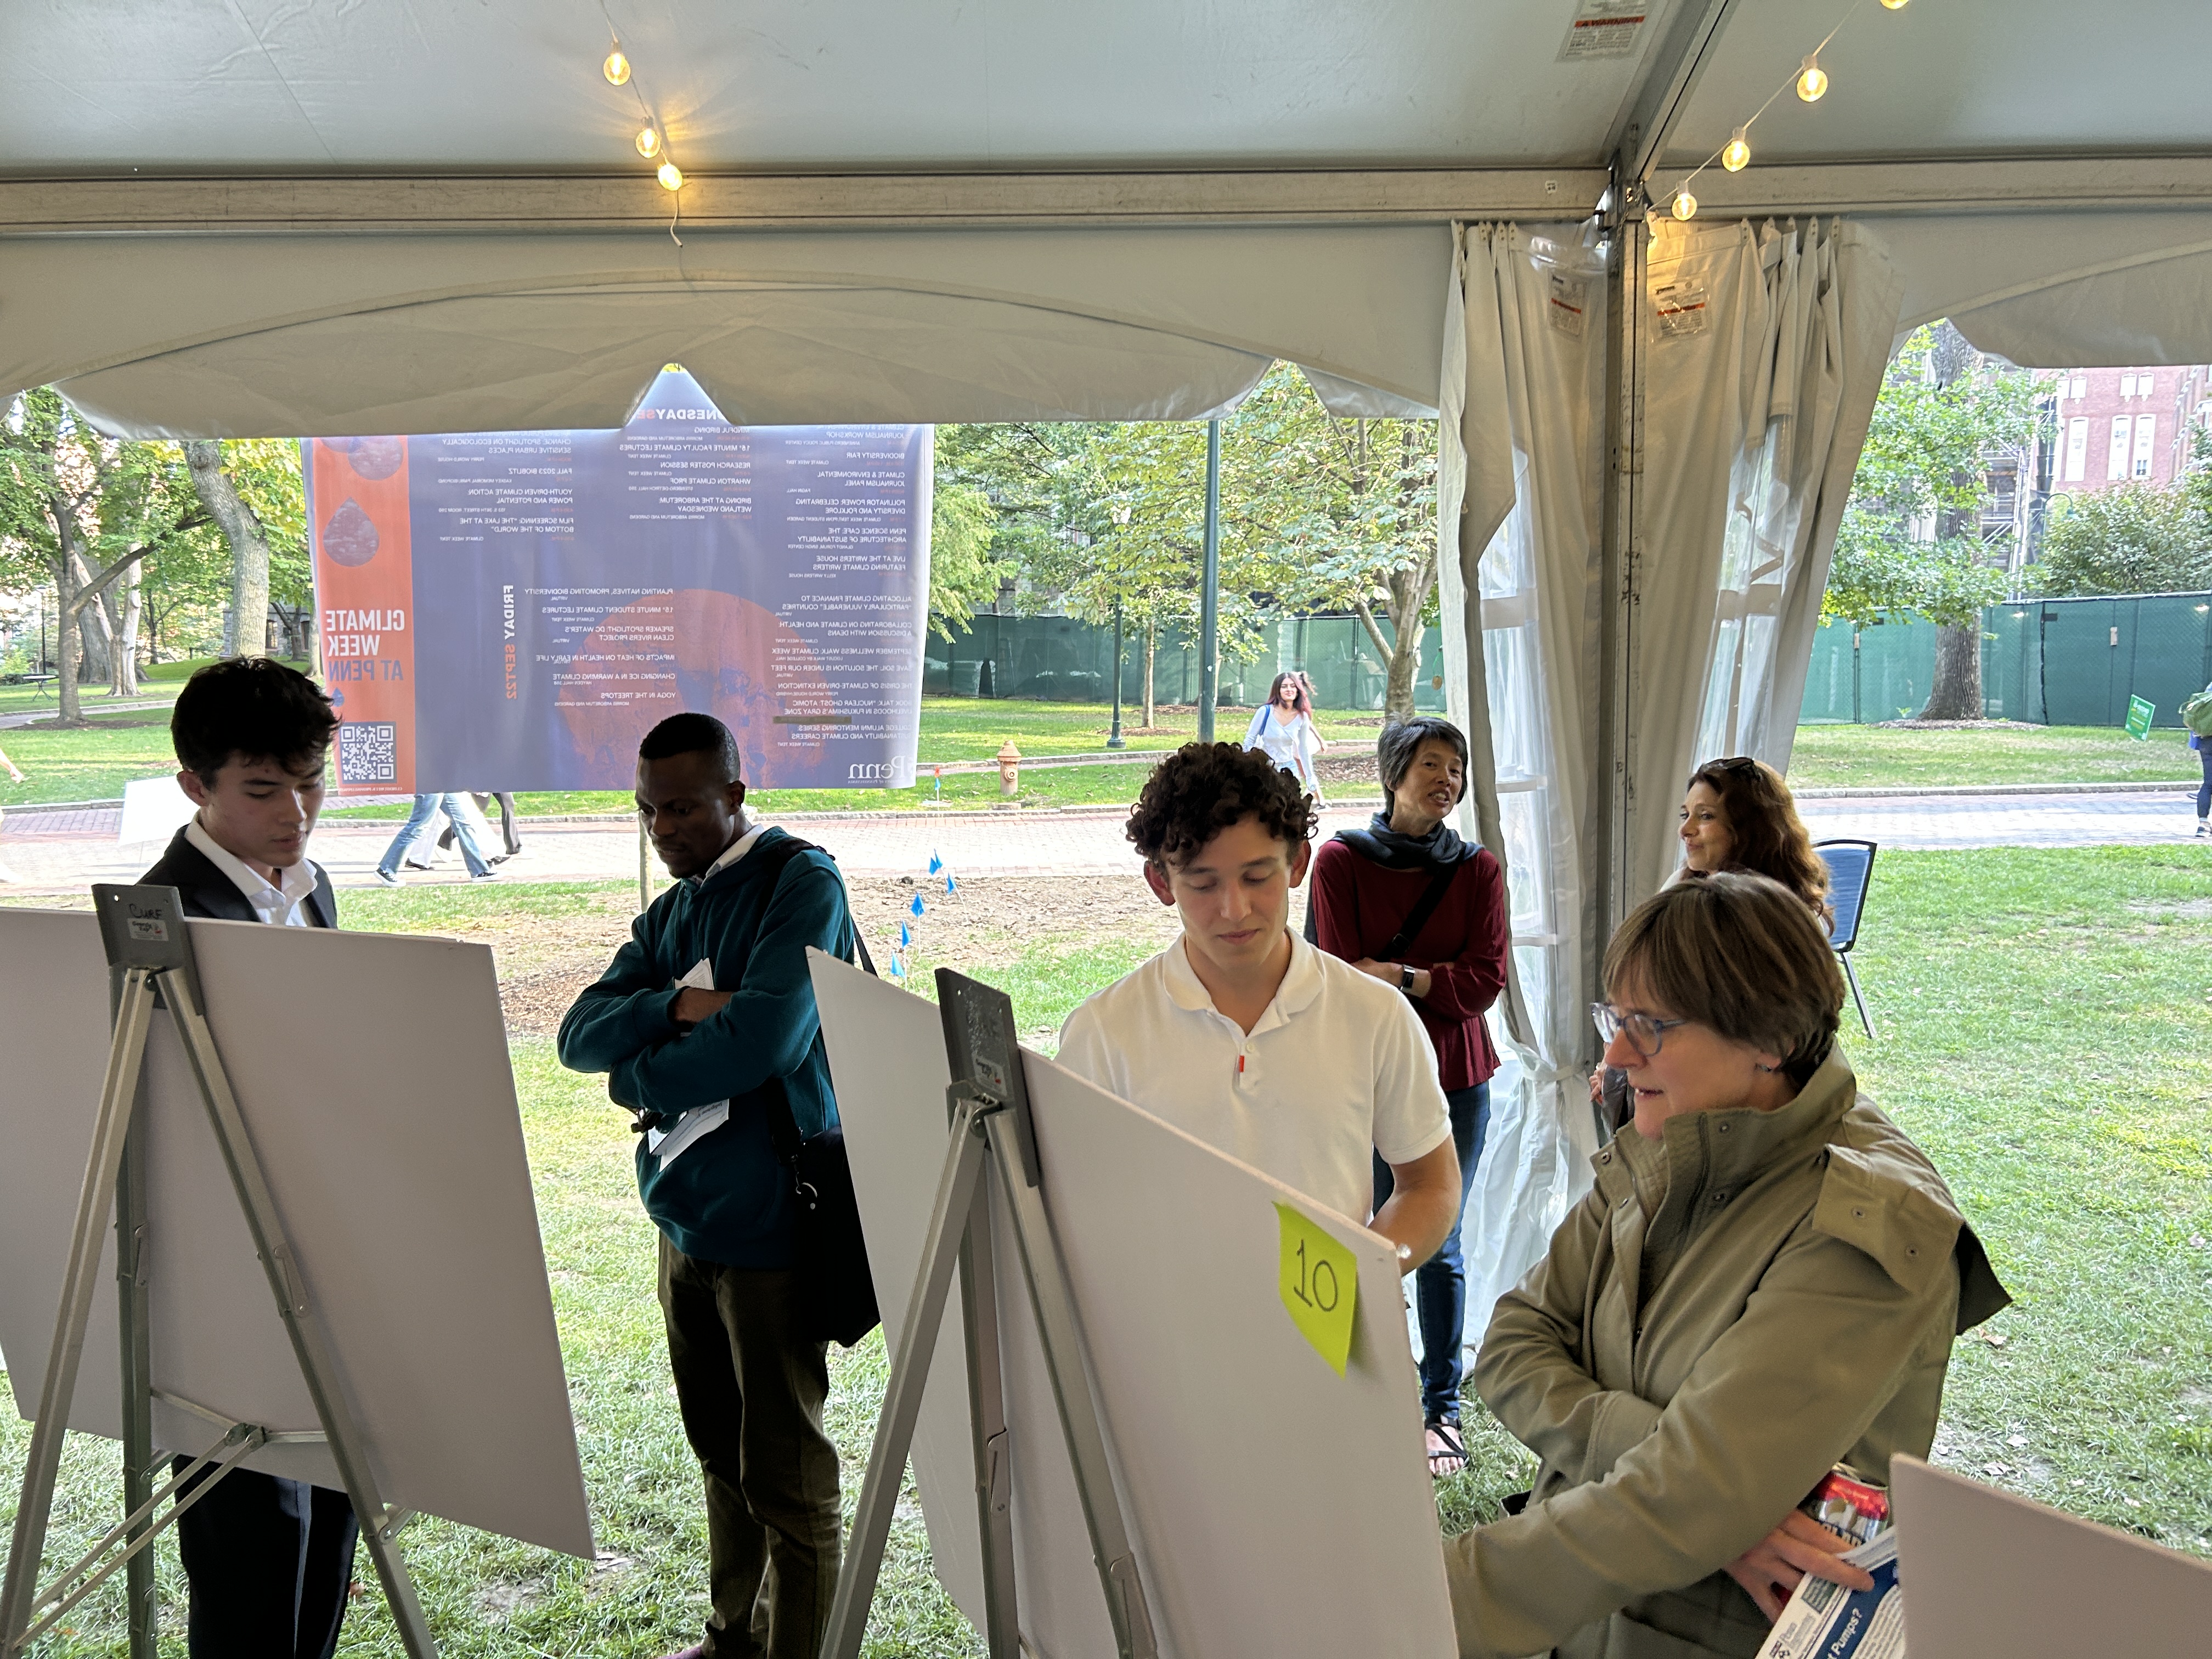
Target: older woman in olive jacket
{"type": "Point", "coordinates": [1763, 1282]}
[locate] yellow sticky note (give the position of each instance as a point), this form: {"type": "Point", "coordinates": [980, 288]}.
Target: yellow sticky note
{"type": "Point", "coordinates": [1319, 1279]}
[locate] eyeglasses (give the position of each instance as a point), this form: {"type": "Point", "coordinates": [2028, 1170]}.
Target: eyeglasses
{"type": "Point", "coordinates": [1645, 1033]}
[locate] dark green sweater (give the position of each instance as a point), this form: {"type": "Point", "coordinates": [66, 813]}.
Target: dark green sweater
{"type": "Point", "coordinates": [725, 1199]}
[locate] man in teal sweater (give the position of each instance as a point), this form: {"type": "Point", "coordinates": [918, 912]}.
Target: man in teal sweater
{"type": "Point", "coordinates": [705, 1025]}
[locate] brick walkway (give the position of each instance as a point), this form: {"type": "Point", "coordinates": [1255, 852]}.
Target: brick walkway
{"type": "Point", "coordinates": [48, 852]}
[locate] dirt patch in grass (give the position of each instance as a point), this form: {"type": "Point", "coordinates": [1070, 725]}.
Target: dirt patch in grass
{"type": "Point", "coordinates": [989, 923]}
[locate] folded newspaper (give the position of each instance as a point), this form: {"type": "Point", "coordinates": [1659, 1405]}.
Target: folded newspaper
{"type": "Point", "coordinates": [1824, 1619]}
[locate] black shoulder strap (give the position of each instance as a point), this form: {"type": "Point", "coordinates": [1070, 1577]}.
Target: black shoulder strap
{"type": "Point", "coordinates": [1418, 917]}
{"type": "Point", "coordinates": [1313, 929]}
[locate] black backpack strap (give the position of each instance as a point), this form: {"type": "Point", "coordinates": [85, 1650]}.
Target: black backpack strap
{"type": "Point", "coordinates": [789, 848]}
{"type": "Point", "coordinates": [1418, 917]}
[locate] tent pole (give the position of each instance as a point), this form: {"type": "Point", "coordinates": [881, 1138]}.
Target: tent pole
{"type": "Point", "coordinates": [1209, 594]}
{"type": "Point", "coordinates": [1623, 551]}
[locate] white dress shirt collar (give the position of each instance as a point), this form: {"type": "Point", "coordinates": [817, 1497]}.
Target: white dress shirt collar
{"type": "Point", "coordinates": [285, 904]}
{"type": "Point", "coordinates": [736, 850]}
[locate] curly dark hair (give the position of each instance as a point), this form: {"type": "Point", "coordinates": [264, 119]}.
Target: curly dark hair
{"type": "Point", "coordinates": [1202, 788]}
{"type": "Point", "coordinates": [1765, 835]}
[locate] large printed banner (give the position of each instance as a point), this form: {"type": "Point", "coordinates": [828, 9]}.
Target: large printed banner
{"type": "Point", "coordinates": [515, 610]}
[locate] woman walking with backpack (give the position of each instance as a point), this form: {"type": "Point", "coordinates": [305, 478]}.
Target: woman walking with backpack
{"type": "Point", "coordinates": [1283, 728]}
{"type": "Point", "coordinates": [1407, 901]}
{"type": "Point", "coordinates": [2196, 716]}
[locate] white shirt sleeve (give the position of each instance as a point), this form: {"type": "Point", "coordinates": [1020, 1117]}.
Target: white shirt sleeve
{"type": "Point", "coordinates": [1084, 1048]}
{"type": "Point", "coordinates": [1252, 730]}
{"type": "Point", "coordinates": [1411, 1120]}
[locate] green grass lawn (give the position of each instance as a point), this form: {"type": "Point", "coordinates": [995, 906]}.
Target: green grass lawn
{"type": "Point", "coordinates": [2044, 1022]}
{"type": "Point", "coordinates": [1872, 756]}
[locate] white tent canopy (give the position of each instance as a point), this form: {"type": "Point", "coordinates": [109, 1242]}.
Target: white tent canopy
{"type": "Point", "coordinates": [233, 217]}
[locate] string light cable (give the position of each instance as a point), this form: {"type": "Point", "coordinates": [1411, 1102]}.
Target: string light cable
{"type": "Point", "coordinates": [1810, 82]}
{"type": "Point", "coordinates": [652, 139]}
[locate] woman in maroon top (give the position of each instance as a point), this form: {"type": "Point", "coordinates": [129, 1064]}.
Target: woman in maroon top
{"type": "Point", "coordinates": [1408, 867]}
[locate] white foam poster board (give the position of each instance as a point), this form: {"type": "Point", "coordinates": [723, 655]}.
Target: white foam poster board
{"type": "Point", "coordinates": [1986, 1572]}
{"type": "Point", "coordinates": [372, 1074]}
{"type": "Point", "coordinates": [1276, 1507]}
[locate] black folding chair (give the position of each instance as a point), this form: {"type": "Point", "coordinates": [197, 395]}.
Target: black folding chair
{"type": "Point", "coordinates": [1850, 865]}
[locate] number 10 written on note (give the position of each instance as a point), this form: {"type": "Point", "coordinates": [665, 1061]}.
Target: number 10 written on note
{"type": "Point", "coordinates": [1319, 1281]}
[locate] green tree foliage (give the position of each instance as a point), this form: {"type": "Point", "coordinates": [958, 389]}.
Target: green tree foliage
{"type": "Point", "coordinates": [1316, 513]}
{"type": "Point", "coordinates": [2129, 538]}
{"type": "Point", "coordinates": [1910, 539]}
{"type": "Point", "coordinates": [963, 573]}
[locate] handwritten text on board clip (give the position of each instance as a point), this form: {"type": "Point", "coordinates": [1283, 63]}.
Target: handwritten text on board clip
{"type": "Point", "coordinates": [1319, 1281]}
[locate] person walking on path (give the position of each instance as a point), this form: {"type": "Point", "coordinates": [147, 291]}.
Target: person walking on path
{"type": "Point", "coordinates": [426, 808]}
{"type": "Point", "coordinates": [1282, 729]}
{"type": "Point", "coordinates": [507, 833]}
{"type": "Point", "coordinates": [2196, 716]}
{"type": "Point", "coordinates": [1406, 901]}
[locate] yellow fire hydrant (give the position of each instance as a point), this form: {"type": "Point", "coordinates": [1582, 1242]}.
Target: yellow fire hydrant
{"type": "Point", "coordinates": [1010, 770]}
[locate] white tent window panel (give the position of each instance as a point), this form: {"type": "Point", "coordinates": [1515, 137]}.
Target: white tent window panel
{"type": "Point", "coordinates": [2145, 436]}
{"type": "Point", "coordinates": [2116, 462]}
{"type": "Point", "coordinates": [2077, 447]}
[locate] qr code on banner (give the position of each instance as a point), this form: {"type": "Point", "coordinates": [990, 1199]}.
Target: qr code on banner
{"type": "Point", "coordinates": [369, 752]}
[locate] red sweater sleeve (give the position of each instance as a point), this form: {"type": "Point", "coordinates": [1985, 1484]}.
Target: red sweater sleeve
{"type": "Point", "coordinates": [1335, 900]}
{"type": "Point", "coordinates": [1464, 989]}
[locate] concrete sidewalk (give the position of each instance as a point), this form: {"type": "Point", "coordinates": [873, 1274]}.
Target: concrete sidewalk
{"type": "Point", "coordinates": [66, 851]}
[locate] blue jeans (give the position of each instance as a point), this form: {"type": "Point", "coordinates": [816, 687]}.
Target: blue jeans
{"type": "Point", "coordinates": [1440, 1283]}
{"type": "Point", "coordinates": [426, 808]}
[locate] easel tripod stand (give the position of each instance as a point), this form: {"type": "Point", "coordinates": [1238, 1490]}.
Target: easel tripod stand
{"type": "Point", "coordinates": [988, 1104]}
{"type": "Point", "coordinates": [150, 956]}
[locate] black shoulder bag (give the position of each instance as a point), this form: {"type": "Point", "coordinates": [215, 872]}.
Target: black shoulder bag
{"type": "Point", "coordinates": [1416, 918]}
{"type": "Point", "coordinates": [836, 1290]}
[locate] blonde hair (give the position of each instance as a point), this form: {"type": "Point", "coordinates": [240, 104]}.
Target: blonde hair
{"type": "Point", "coordinates": [1738, 953]}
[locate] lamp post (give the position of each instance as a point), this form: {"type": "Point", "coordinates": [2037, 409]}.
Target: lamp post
{"type": "Point", "coordinates": [1209, 595]}
{"type": "Point", "coordinates": [1113, 739]}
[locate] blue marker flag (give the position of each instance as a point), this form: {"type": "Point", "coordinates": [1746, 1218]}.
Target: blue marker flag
{"type": "Point", "coordinates": [935, 863]}
{"type": "Point", "coordinates": [898, 968]}
{"type": "Point", "coordinates": [916, 906]}
{"type": "Point", "coordinates": [949, 887]}
{"type": "Point", "coordinates": [906, 936]}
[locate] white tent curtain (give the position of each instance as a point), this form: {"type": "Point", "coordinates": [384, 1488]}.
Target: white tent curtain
{"type": "Point", "coordinates": [1521, 438]}
{"type": "Point", "coordinates": [1765, 350]}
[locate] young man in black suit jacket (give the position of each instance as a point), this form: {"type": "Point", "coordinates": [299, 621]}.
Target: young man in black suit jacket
{"type": "Point", "coordinates": [270, 1561]}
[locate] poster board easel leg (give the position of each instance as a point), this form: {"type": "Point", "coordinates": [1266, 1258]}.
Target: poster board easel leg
{"type": "Point", "coordinates": [135, 1326]}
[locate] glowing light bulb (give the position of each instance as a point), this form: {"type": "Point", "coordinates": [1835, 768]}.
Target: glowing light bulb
{"type": "Point", "coordinates": [648, 142]}
{"type": "Point", "coordinates": [617, 67]}
{"type": "Point", "coordinates": [1686, 205]}
{"type": "Point", "coordinates": [1737, 155]}
{"type": "Point", "coordinates": [671, 176]}
{"type": "Point", "coordinates": [1812, 81]}
{"type": "Point", "coordinates": [1895, 5]}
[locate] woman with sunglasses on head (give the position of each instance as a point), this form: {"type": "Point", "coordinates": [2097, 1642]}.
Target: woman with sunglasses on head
{"type": "Point", "coordinates": [1283, 727]}
{"type": "Point", "coordinates": [1764, 1282]}
{"type": "Point", "coordinates": [1737, 814]}
{"type": "Point", "coordinates": [1408, 902]}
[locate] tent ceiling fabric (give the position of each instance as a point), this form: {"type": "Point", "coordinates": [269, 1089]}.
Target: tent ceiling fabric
{"type": "Point", "coordinates": [300, 331]}
{"type": "Point", "coordinates": [337, 335]}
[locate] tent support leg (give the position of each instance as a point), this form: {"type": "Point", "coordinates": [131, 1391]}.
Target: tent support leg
{"type": "Point", "coordinates": [1850, 975]}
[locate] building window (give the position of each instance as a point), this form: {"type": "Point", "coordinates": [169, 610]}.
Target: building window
{"type": "Point", "coordinates": [2080, 386]}
{"type": "Point", "coordinates": [2146, 429]}
{"type": "Point", "coordinates": [2116, 464]}
{"type": "Point", "coordinates": [2127, 386]}
{"type": "Point", "coordinates": [2077, 449]}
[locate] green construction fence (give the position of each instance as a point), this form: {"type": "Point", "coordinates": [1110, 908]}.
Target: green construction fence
{"type": "Point", "coordinates": [1060, 660]}
{"type": "Point", "coordinates": [2048, 662]}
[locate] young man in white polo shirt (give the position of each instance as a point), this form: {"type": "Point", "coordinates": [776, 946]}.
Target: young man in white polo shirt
{"type": "Point", "coordinates": [1247, 1037]}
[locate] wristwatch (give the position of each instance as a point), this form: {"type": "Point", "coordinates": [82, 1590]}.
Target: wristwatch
{"type": "Point", "coordinates": [1405, 979]}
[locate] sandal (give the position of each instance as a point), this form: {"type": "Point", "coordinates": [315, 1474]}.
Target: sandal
{"type": "Point", "coordinates": [1447, 1431]}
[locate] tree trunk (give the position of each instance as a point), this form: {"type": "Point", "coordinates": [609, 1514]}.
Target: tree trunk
{"type": "Point", "coordinates": [246, 625]}
{"type": "Point", "coordinates": [1409, 597]}
{"type": "Point", "coordinates": [1956, 693]}
{"type": "Point", "coordinates": [1383, 648]}
{"type": "Point", "coordinates": [1151, 649]}
{"type": "Point", "coordinates": [92, 623]}
{"type": "Point", "coordinates": [66, 656]}
{"type": "Point", "coordinates": [125, 601]}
